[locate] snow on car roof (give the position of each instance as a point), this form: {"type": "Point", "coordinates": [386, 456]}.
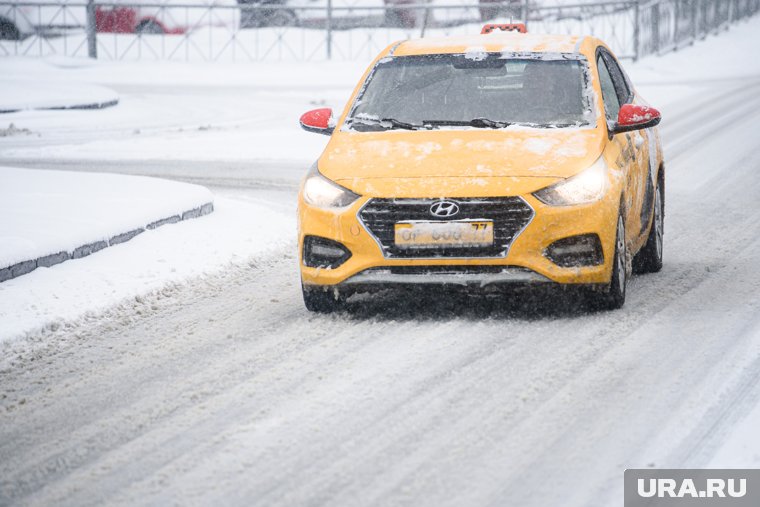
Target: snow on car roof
{"type": "Point", "coordinates": [494, 42]}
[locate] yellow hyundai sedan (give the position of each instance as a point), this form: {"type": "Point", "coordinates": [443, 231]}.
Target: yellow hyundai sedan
{"type": "Point", "coordinates": [483, 161]}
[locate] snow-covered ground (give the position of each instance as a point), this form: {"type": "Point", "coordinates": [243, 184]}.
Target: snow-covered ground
{"type": "Point", "coordinates": [741, 449]}
{"type": "Point", "coordinates": [16, 95]}
{"type": "Point", "coordinates": [209, 112]}
{"type": "Point", "coordinates": [237, 232]}
{"type": "Point", "coordinates": [222, 389]}
{"type": "Point", "coordinates": [54, 211]}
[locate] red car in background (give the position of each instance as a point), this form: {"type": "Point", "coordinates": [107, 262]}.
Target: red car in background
{"type": "Point", "coordinates": [174, 17]}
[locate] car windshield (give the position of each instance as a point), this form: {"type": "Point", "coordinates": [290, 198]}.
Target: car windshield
{"type": "Point", "coordinates": [479, 90]}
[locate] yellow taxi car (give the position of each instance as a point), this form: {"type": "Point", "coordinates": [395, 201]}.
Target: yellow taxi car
{"type": "Point", "coordinates": [484, 160]}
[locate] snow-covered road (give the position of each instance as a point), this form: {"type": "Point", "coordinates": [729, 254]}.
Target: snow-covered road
{"type": "Point", "coordinates": [228, 392]}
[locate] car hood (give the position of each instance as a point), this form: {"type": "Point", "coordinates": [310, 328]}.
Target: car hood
{"type": "Point", "coordinates": [377, 162]}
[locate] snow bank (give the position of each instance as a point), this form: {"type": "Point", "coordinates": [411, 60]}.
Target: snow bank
{"type": "Point", "coordinates": [49, 297]}
{"type": "Point", "coordinates": [167, 111]}
{"type": "Point", "coordinates": [21, 94]}
{"type": "Point", "coordinates": [59, 212]}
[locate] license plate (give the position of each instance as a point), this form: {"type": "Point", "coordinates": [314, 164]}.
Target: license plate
{"type": "Point", "coordinates": [460, 233]}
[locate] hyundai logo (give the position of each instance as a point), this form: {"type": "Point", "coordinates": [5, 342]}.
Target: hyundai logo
{"type": "Point", "coordinates": [444, 209]}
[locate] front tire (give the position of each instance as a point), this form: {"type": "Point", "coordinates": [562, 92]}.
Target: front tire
{"type": "Point", "coordinates": [319, 300]}
{"type": "Point", "coordinates": [649, 258]}
{"type": "Point", "coordinates": [613, 297]}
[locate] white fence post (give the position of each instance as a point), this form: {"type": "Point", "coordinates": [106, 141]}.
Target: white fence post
{"type": "Point", "coordinates": [636, 30]}
{"type": "Point", "coordinates": [328, 29]}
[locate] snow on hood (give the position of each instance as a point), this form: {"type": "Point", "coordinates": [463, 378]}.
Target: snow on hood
{"type": "Point", "coordinates": [351, 157]}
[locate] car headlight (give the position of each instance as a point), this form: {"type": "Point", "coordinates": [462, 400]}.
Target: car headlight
{"type": "Point", "coordinates": [323, 193]}
{"type": "Point", "coordinates": [583, 188]}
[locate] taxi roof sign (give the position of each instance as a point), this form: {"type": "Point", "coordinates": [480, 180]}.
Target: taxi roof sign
{"type": "Point", "coordinates": [504, 27]}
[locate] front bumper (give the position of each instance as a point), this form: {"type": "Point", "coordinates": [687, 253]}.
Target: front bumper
{"type": "Point", "coordinates": [524, 261]}
{"type": "Point", "coordinates": [482, 279]}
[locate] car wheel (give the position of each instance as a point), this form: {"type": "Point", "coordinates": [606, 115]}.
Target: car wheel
{"type": "Point", "coordinates": [321, 300]}
{"type": "Point", "coordinates": [649, 258]}
{"type": "Point", "coordinates": [8, 31]}
{"type": "Point", "coordinates": [149, 27]}
{"type": "Point", "coordinates": [614, 296]}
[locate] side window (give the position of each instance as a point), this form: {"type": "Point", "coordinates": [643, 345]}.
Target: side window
{"type": "Point", "coordinates": [609, 94]}
{"type": "Point", "coordinates": [618, 78]}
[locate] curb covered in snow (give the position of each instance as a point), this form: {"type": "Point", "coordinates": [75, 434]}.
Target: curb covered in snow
{"type": "Point", "coordinates": [27, 266]}
{"type": "Point", "coordinates": [23, 94]}
{"type": "Point", "coordinates": [91, 105]}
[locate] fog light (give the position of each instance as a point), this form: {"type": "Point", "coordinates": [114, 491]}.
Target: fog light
{"type": "Point", "coordinates": [576, 251]}
{"type": "Point", "coordinates": [324, 253]}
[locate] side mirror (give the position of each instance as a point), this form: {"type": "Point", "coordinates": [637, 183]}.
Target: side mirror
{"type": "Point", "coordinates": [636, 117]}
{"type": "Point", "coordinates": [319, 121]}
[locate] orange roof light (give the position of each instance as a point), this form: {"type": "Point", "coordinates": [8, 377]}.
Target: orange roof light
{"type": "Point", "coordinates": [504, 27]}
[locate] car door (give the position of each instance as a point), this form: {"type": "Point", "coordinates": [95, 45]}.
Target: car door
{"type": "Point", "coordinates": [643, 142]}
{"type": "Point", "coordinates": [627, 147]}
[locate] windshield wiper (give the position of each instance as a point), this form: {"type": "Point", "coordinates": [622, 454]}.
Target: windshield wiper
{"type": "Point", "coordinates": [394, 123]}
{"type": "Point", "coordinates": [475, 122]}
{"type": "Point", "coordinates": [555, 125]}
{"type": "Point", "coordinates": [491, 124]}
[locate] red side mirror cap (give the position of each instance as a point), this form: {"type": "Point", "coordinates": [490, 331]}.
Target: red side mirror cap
{"type": "Point", "coordinates": [636, 117]}
{"type": "Point", "coordinates": [318, 120]}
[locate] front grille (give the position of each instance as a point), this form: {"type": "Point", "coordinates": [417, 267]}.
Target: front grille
{"type": "Point", "coordinates": [509, 214]}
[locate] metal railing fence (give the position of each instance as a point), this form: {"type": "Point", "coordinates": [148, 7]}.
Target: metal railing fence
{"type": "Point", "coordinates": [230, 31]}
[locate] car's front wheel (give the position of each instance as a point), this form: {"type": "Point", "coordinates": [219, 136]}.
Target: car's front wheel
{"type": "Point", "coordinates": [649, 258]}
{"type": "Point", "coordinates": [321, 300]}
{"type": "Point", "coordinates": [614, 296]}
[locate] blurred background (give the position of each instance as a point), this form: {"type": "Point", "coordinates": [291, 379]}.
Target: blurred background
{"type": "Point", "coordinates": [306, 30]}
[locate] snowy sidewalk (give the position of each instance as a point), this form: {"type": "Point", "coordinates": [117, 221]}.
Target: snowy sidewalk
{"type": "Point", "coordinates": [55, 211]}
{"type": "Point", "coordinates": [28, 84]}
{"type": "Point", "coordinates": [24, 94]}
{"type": "Point", "coordinates": [54, 216]}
